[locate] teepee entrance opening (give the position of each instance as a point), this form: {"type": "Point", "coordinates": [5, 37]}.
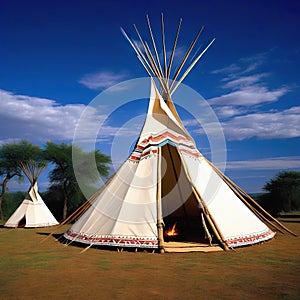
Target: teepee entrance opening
{"type": "Point", "coordinates": [22, 222]}
{"type": "Point", "coordinates": [182, 213]}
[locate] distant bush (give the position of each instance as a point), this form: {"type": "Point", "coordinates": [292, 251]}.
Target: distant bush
{"type": "Point", "coordinates": [11, 201]}
{"type": "Point", "coordinates": [283, 193]}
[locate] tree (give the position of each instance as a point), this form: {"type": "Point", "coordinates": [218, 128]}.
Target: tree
{"type": "Point", "coordinates": [62, 177]}
{"type": "Point", "coordinates": [10, 157]}
{"type": "Point", "coordinates": [283, 192]}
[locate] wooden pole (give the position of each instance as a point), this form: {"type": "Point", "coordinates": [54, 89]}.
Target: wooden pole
{"type": "Point", "coordinates": [150, 61]}
{"type": "Point", "coordinates": [154, 46]}
{"type": "Point", "coordinates": [173, 51]}
{"type": "Point", "coordinates": [164, 45]}
{"type": "Point", "coordinates": [160, 230]}
{"type": "Point", "coordinates": [165, 58]}
{"type": "Point", "coordinates": [186, 57]}
{"type": "Point", "coordinates": [190, 67]}
{"type": "Point", "coordinates": [204, 207]}
{"type": "Point", "coordinates": [139, 54]}
{"type": "Point", "coordinates": [211, 220]}
{"type": "Point", "coordinates": [144, 46]}
{"type": "Point", "coordinates": [155, 67]}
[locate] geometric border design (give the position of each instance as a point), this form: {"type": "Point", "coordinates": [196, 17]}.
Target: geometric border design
{"type": "Point", "coordinates": [108, 240]}
{"type": "Point", "coordinates": [249, 239]}
{"type": "Point", "coordinates": [149, 146]}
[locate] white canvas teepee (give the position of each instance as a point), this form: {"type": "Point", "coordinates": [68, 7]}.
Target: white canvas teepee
{"type": "Point", "coordinates": [166, 183]}
{"type": "Point", "coordinates": [32, 212]}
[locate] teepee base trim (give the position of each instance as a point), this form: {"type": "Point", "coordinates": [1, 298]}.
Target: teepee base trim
{"type": "Point", "coordinates": [13, 225]}
{"type": "Point", "coordinates": [250, 239]}
{"type": "Point", "coordinates": [119, 241]}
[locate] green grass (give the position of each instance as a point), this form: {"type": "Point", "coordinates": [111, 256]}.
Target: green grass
{"type": "Point", "coordinates": [32, 269]}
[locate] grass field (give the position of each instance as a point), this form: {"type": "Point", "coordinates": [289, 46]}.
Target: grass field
{"type": "Point", "coordinates": [30, 269]}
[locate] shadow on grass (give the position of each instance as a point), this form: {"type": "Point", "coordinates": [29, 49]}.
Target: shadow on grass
{"type": "Point", "coordinates": [56, 236]}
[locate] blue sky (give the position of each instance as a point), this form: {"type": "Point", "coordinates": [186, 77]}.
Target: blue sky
{"type": "Point", "coordinates": [55, 57]}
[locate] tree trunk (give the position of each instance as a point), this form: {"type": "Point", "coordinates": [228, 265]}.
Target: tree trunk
{"type": "Point", "coordinates": [65, 208]}
{"type": "Point", "coordinates": [3, 191]}
{"type": "Point", "coordinates": [289, 201]}
{"type": "Point", "coordinates": [1, 212]}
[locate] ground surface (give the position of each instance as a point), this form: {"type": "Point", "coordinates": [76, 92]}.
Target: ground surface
{"type": "Point", "coordinates": [30, 269]}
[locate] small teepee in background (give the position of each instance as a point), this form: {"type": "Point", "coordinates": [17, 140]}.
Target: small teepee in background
{"type": "Point", "coordinates": [32, 212]}
{"type": "Point", "coordinates": [166, 183]}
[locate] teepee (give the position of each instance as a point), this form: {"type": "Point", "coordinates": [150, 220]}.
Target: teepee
{"type": "Point", "coordinates": [32, 212]}
{"type": "Point", "coordinates": [167, 195]}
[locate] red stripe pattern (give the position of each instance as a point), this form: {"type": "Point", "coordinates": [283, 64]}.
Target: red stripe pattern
{"type": "Point", "coordinates": [249, 239]}
{"type": "Point", "coordinates": [149, 145]}
{"type": "Point", "coordinates": [109, 240]}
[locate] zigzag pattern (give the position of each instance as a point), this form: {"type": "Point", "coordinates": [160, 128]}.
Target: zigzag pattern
{"type": "Point", "coordinates": [150, 145]}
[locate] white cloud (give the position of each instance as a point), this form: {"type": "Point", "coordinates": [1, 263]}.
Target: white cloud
{"type": "Point", "coordinates": [250, 95]}
{"type": "Point", "coordinates": [40, 120]}
{"type": "Point", "coordinates": [246, 90]}
{"type": "Point", "coordinates": [242, 104]}
{"type": "Point", "coordinates": [257, 58]}
{"type": "Point", "coordinates": [228, 111]}
{"type": "Point", "coordinates": [210, 129]}
{"type": "Point", "coordinates": [102, 80]}
{"type": "Point", "coordinates": [9, 140]}
{"type": "Point", "coordinates": [243, 81]}
{"type": "Point", "coordinates": [190, 122]}
{"type": "Point", "coordinates": [265, 125]}
{"type": "Point", "coordinates": [274, 163]}
{"type": "Point", "coordinates": [33, 118]}
{"type": "Point", "coordinates": [229, 69]}
{"type": "Point", "coordinates": [244, 65]}
{"type": "Point", "coordinates": [253, 66]}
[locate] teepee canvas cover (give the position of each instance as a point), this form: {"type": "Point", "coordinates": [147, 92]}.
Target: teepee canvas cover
{"type": "Point", "coordinates": [32, 212]}
{"type": "Point", "coordinates": [126, 213]}
{"type": "Point", "coordinates": [165, 182]}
